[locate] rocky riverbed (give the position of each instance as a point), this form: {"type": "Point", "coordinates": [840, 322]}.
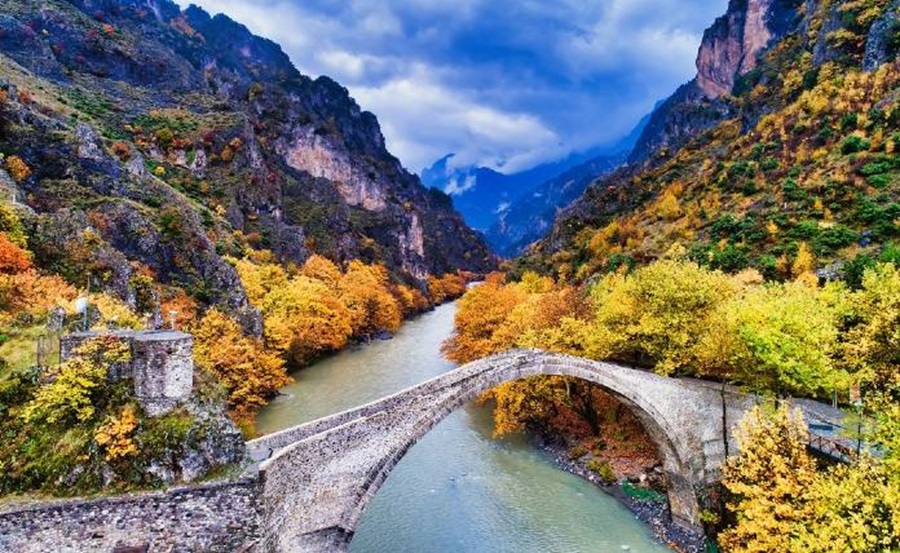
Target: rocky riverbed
{"type": "Point", "coordinates": [655, 514]}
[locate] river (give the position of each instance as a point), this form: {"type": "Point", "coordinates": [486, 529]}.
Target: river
{"type": "Point", "coordinates": [458, 489]}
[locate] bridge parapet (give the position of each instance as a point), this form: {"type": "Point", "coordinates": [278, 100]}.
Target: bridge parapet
{"type": "Point", "coordinates": [316, 489]}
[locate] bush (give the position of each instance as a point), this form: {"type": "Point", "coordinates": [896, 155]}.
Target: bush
{"type": "Point", "coordinates": [17, 168]}
{"type": "Point", "coordinates": [602, 469]}
{"type": "Point", "coordinates": [854, 144]}
{"type": "Point", "coordinates": [577, 452]}
{"type": "Point", "coordinates": [855, 269]}
{"type": "Point", "coordinates": [879, 181]}
{"type": "Point", "coordinates": [731, 259]}
{"type": "Point", "coordinates": [833, 239]}
{"type": "Point", "coordinates": [875, 168]}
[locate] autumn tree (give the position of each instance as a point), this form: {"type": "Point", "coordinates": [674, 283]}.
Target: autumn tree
{"type": "Point", "coordinates": [13, 258]}
{"type": "Point", "coordinates": [364, 289]}
{"type": "Point", "coordinates": [445, 288]}
{"type": "Point", "coordinates": [17, 168]}
{"type": "Point", "coordinates": [769, 481]}
{"type": "Point", "coordinates": [786, 336]}
{"type": "Point", "coordinates": [323, 269]}
{"type": "Point", "coordinates": [871, 348]}
{"type": "Point", "coordinates": [658, 314]}
{"type": "Point", "coordinates": [304, 319]}
{"type": "Point", "coordinates": [853, 508]}
{"type": "Point", "coordinates": [71, 392]}
{"type": "Point", "coordinates": [248, 372]}
{"type": "Point", "coordinates": [481, 312]}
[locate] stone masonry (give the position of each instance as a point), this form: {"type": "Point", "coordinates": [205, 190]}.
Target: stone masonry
{"type": "Point", "coordinates": [220, 517]}
{"type": "Point", "coordinates": [321, 476]}
{"type": "Point", "coordinates": [161, 366]}
{"type": "Point", "coordinates": [308, 486]}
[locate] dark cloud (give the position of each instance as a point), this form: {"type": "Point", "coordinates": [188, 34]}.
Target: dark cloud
{"type": "Point", "coordinates": [503, 84]}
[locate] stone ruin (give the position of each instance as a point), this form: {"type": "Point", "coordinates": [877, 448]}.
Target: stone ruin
{"type": "Point", "coordinates": [161, 366]}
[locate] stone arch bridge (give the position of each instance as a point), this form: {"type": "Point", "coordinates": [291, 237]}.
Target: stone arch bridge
{"type": "Point", "coordinates": [309, 486]}
{"type": "Point", "coordinates": [317, 479]}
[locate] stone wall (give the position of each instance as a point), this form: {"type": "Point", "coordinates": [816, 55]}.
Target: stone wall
{"type": "Point", "coordinates": [221, 517]}
{"type": "Point", "coordinates": [161, 365]}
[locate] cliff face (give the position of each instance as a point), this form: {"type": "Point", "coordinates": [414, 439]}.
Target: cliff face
{"type": "Point", "coordinates": [170, 138]}
{"type": "Point", "coordinates": [787, 136]}
{"type": "Point", "coordinates": [731, 46]}
{"type": "Point", "coordinates": [730, 50]}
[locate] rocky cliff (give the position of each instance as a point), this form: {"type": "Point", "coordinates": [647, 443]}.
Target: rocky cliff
{"type": "Point", "coordinates": [730, 50]}
{"type": "Point", "coordinates": [157, 140]}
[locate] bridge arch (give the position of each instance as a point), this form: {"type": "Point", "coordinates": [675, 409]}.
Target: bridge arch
{"type": "Point", "coordinates": [317, 487]}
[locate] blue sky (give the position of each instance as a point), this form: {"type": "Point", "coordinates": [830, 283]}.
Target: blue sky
{"type": "Point", "coordinates": [502, 84]}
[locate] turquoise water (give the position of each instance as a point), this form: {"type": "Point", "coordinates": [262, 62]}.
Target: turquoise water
{"type": "Point", "coordinates": [458, 489]}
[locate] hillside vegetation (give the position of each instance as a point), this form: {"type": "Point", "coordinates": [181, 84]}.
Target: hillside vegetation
{"type": "Point", "coordinates": [752, 240]}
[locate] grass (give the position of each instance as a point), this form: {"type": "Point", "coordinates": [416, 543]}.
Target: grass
{"type": "Point", "coordinates": [19, 350]}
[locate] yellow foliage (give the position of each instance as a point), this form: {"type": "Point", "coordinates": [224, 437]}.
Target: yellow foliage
{"type": "Point", "coordinates": [114, 313]}
{"type": "Point", "coordinates": [804, 262]}
{"type": "Point", "coordinates": [769, 481]}
{"type": "Point", "coordinates": [240, 363]}
{"type": "Point", "coordinates": [365, 291]}
{"type": "Point", "coordinates": [115, 435]}
{"type": "Point", "coordinates": [68, 395]}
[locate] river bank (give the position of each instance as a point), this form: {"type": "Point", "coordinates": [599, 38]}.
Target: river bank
{"type": "Point", "coordinates": [654, 514]}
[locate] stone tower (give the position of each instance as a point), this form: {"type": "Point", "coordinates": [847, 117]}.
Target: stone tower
{"type": "Point", "coordinates": [161, 366]}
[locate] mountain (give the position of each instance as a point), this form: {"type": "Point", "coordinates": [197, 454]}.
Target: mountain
{"type": "Point", "coordinates": [531, 217]}
{"type": "Point", "coordinates": [780, 154]}
{"type": "Point", "coordinates": [482, 194]}
{"type": "Point", "coordinates": [142, 139]}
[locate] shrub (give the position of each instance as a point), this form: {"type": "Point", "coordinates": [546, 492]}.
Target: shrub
{"type": "Point", "coordinates": [602, 469]}
{"type": "Point", "coordinates": [17, 168]}
{"type": "Point", "coordinates": [833, 239]}
{"type": "Point", "coordinates": [730, 259]}
{"type": "Point", "coordinates": [577, 452]}
{"type": "Point", "coordinates": [13, 259]}
{"type": "Point", "coordinates": [854, 144]}
{"type": "Point", "coordinates": [875, 168]}
{"type": "Point", "coordinates": [122, 150]}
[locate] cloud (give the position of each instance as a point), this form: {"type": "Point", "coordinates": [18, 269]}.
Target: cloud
{"type": "Point", "coordinates": [457, 187]}
{"type": "Point", "coordinates": [501, 83]}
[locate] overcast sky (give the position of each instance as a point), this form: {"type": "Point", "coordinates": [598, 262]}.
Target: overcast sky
{"type": "Point", "coordinates": [506, 84]}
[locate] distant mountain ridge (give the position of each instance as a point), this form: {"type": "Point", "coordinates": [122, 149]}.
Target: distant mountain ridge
{"type": "Point", "coordinates": [481, 194]}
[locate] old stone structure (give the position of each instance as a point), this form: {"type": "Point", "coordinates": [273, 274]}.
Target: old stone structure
{"type": "Point", "coordinates": [308, 486]}
{"type": "Point", "coordinates": [322, 475]}
{"type": "Point", "coordinates": [161, 366]}
{"type": "Point", "coordinates": [220, 517]}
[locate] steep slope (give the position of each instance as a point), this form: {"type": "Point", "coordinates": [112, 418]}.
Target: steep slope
{"type": "Point", "coordinates": [729, 50]}
{"type": "Point", "coordinates": [798, 168]}
{"type": "Point", "coordinates": [157, 140]}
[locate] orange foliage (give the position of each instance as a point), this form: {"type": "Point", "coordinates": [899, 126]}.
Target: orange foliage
{"type": "Point", "coordinates": [13, 259]}
{"type": "Point", "coordinates": [445, 288]}
{"type": "Point", "coordinates": [245, 369]}
{"type": "Point", "coordinates": [32, 293]}
{"type": "Point", "coordinates": [17, 168]}
{"type": "Point", "coordinates": [185, 308]}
